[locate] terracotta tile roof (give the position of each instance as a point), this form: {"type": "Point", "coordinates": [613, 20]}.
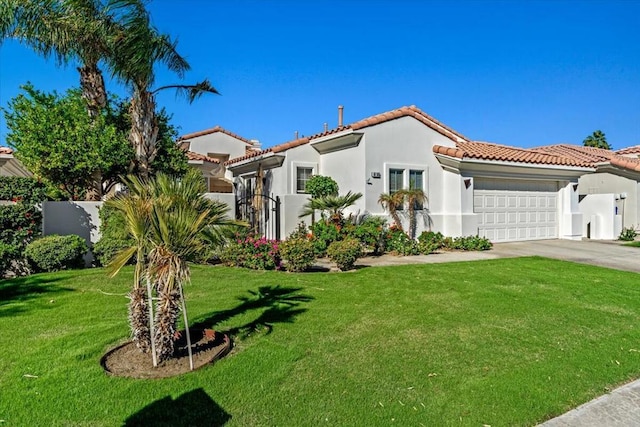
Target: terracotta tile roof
{"type": "Point", "coordinates": [248, 155]}
{"type": "Point", "coordinates": [6, 150]}
{"type": "Point", "coordinates": [490, 151]}
{"type": "Point", "coordinates": [213, 130]}
{"type": "Point", "coordinates": [411, 111]}
{"type": "Point", "coordinates": [629, 150]}
{"type": "Point", "coordinates": [201, 157]}
{"type": "Point", "coordinates": [593, 156]}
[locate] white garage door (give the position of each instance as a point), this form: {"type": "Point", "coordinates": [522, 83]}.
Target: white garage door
{"type": "Point", "coordinates": [511, 210]}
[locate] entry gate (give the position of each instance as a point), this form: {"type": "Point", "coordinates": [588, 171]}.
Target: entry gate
{"type": "Point", "coordinates": [262, 213]}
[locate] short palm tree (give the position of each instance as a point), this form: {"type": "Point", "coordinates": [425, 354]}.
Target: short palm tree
{"type": "Point", "coordinates": [415, 198]}
{"type": "Point", "coordinates": [171, 222]}
{"type": "Point", "coordinates": [333, 205]}
{"type": "Point", "coordinates": [392, 202]}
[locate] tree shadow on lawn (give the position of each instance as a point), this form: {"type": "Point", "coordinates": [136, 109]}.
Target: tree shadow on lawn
{"type": "Point", "coordinates": [280, 304]}
{"type": "Point", "coordinates": [194, 408]}
{"type": "Point", "coordinates": [21, 289]}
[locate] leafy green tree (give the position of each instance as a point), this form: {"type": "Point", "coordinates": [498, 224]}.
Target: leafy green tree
{"type": "Point", "coordinates": [597, 140]}
{"type": "Point", "coordinates": [56, 139]}
{"type": "Point", "coordinates": [320, 186]}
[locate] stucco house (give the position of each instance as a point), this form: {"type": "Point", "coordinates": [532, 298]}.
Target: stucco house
{"type": "Point", "coordinates": [207, 150]}
{"type": "Point", "coordinates": [503, 193]}
{"type": "Point", "coordinates": [10, 166]}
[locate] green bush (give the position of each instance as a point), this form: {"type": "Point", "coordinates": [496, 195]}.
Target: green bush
{"type": "Point", "coordinates": [324, 233]}
{"type": "Point", "coordinates": [52, 253]}
{"type": "Point", "coordinates": [429, 242]}
{"type": "Point", "coordinates": [298, 252]}
{"type": "Point", "coordinates": [371, 232]}
{"type": "Point", "coordinates": [628, 234]}
{"type": "Point", "coordinates": [114, 236]}
{"type": "Point", "coordinates": [301, 232]}
{"type": "Point", "coordinates": [249, 252]}
{"type": "Point", "coordinates": [345, 252]}
{"type": "Point", "coordinates": [471, 243]}
{"type": "Point", "coordinates": [8, 253]}
{"type": "Point", "coordinates": [321, 186]}
{"type": "Point", "coordinates": [22, 190]}
{"type": "Point", "coordinates": [399, 243]}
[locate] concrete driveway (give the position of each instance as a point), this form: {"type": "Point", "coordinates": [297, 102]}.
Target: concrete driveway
{"type": "Point", "coordinates": [610, 254]}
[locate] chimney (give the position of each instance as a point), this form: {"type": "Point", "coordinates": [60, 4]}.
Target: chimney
{"type": "Point", "coordinates": [255, 143]}
{"type": "Point", "coordinates": [326, 126]}
{"type": "Point", "coordinates": [295, 135]}
{"type": "Point", "coordinates": [340, 109]}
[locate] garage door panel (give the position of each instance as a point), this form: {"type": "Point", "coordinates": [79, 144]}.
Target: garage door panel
{"type": "Point", "coordinates": [516, 210]}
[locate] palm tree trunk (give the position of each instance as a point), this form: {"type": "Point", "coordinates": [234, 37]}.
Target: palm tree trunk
{"type": "Point", "coordinates": [93, 88]}
{"type": "Point", "coordinates": [94, 93]}
{"type": "Point", "coordinates": [167, 313]}
{"type": "Point", "coordinates": [144, 131]}
{"type": "Point", "coordinates": [138, 319]}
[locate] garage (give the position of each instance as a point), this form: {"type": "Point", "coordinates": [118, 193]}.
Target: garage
{"type": "Point", "coordinates": [513, 210]}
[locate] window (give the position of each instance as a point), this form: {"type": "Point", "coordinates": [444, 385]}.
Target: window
{"type": "Point", "coordinates": [416, 183]}
{"type": "Point", "coordinates": [302, 176]}
{"type": "Point", "coordinates": [396, 182]}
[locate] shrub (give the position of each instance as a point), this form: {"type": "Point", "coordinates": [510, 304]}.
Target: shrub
{"type": "Point", "coordinates": [55, 252]}
{"type": "Point", "coordinates": [399, 243]}
{"type": "Point", "coordinates": [8, 253]}
{"type": "Point", "coordinates": [429, 242]}
{"type": "Point", "coordinates": [301, 232]}
{"type": "Point", "coordinates": [628, 234]}
{"type": "Point", "coordinates": [257, 254]}
{"type": "Point", "coordinates": [298, 252]}
{"type": "Point", "coordinates": [345, 253]}
{"type": "Point", "coordinates": [471, 243]}
{"type": "Point", "coordinates": [324, 233]}
{"type": "Point", "coordinates": [114, 236]}
{"type": "Point", "coordinates": [321, 186]}
{"type": "Point", "coordinates": [371, 232]}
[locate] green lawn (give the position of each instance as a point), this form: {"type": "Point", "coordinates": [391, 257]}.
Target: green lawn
{"type": "Point", "coordinates": [502, 342]}
{"type": "Point", "coordinates": [636, 244]}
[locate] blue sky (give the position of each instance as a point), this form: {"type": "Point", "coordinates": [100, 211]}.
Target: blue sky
{"type": "Point", "coordinates": [522, 73]}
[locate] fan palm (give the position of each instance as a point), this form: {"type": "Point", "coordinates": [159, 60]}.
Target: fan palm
{"type": "Point", "coordinates": [392, 203]}
{"type": "Point", "coordinates": [415, 198]}
{"type": "Point", "coordinates": [333, 205]}
{"type": "Point", "coordinates": [171, 222]}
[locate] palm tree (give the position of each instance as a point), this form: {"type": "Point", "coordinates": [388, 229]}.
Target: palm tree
{"type": "Point", "coordinates": [333, 205]}
{"type": "Point", "coordinates": [393, 202]}
{"type": "Point", "coordinates": [415, 198]}
{"type": "Point", "coordinates": [171, 222]}
{"type": "Point", "coordinates": [72, 31]}
{"type": "Point", "coordinates": [598, 140]}
{"type": "Point", "coordinates": [137, 49]}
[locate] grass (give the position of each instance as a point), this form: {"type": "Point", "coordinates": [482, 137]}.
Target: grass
{"type": "Point", "coordinates": [500, 342]}
{"type": "Point", "coordinates": [634, 244]}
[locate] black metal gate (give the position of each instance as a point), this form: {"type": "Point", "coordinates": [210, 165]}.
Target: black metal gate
{"type": "Point", "coordinates": [262, 213]}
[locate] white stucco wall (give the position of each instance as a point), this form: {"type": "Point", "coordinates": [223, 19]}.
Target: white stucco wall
{"type": "Point", "coordinates": [607, 183]}
{"type": "Point", "coordinates": [219, 143]}
{"type": "Point", "coordinates": [600, 221]}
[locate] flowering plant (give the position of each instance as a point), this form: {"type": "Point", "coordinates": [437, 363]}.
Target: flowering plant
{"type": "Point", "coordinates": [251, 252]}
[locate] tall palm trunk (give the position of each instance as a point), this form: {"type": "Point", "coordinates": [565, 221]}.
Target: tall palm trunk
{"type": "Point", "coordinates": [144, 131]}
{"type": "Point", "coordinates": [95, 94]}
